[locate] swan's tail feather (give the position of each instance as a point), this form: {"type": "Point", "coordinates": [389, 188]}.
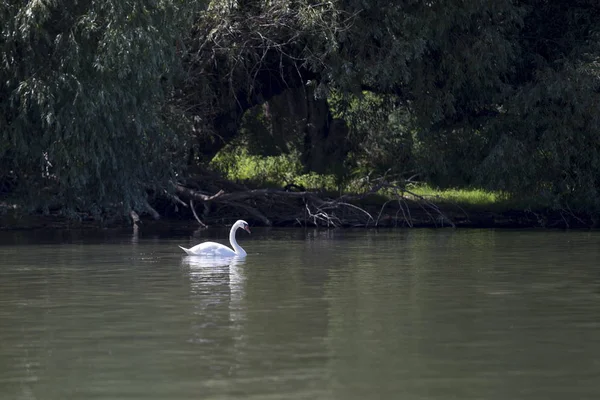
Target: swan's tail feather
{"type": "Point", "coordinates": [186, 250]}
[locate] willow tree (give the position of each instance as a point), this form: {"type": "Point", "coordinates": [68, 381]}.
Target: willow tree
{"type": "Point", "coordinates": [82, 89]}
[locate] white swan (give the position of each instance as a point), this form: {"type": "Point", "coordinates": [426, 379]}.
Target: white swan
{"type": "Point", "coordinates": [212, 249]}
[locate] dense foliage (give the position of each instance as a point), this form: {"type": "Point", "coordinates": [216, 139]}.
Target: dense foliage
{"type": "Point", "coordinates": [82, 86]}
{"type": "Point", "coordinates": [103, 102]}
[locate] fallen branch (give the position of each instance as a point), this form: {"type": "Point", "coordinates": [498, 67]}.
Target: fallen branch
{"type": "Point", "coordinates": [134, 217]}
{"type": "Point", "coordinates": [253, 211]}
{"type": "Point", "coordinates": [381, 211]}
{"type": "Point", "coordinates": [178, 200]}
{"type": "Point", "coordinates": [407, 218]}
{"type": "Point", "coordinates": [357, 208]}
{"type": "Point", "coordinates": [202, 224]}
{"type": "Point", "coordinates": [273, 206]}
{"type": "Point", "coordinates": [152, 211]}
{"type": "Point", "coordinates": [194, 194]}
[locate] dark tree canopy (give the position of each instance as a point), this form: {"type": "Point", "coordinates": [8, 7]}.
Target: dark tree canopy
{"type": "Point", "coordinates": [103, 102]}
{"type": "Point", "coordinates": [82, 86]}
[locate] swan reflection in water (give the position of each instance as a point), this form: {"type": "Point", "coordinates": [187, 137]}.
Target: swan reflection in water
{"type": "Point", "coordinates": [217, 293]}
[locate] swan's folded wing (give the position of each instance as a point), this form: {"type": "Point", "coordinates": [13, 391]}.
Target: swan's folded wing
{"type": "Point", "coordinates": [210, 249]}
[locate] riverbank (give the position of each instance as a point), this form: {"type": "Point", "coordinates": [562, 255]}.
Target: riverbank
{"type": "Point", "coordinates": [407, 214]}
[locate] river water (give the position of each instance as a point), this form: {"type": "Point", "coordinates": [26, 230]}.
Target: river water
{"type": "Point", "coordinates": [309, 314]}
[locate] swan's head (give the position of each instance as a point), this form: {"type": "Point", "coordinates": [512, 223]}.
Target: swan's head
{"type": "Point", "coordinates": [242, 224]}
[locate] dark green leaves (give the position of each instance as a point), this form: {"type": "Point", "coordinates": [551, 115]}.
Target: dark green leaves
{"type": "Point", "coordinates": [82, 99]}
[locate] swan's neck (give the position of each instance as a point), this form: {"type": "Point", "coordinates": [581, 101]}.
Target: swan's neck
{"type": "Point", "coordinates": [236, 247]}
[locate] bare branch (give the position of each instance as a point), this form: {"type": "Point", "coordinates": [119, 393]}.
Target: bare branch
{"type": "Point", "coordinates": [202, 224]}
{"type": "Point", "coordinates": [193, 194]}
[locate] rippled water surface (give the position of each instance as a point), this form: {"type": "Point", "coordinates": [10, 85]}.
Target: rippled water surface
{"type": "Point", "coordinates": [310, 314]}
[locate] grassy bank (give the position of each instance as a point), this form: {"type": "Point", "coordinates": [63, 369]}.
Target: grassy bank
{"type": "Point", "coordinates": [255, 189]}
{"type": "Point", "coordinates": [468, 207]}
{"type": "Point", "coordinates": [279, 171]}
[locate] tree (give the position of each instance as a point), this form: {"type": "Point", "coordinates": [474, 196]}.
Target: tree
{"type": "Point", "coordinates": [82, 93]}
{"type": "Point", "coordinates": [539, 135]}
{"type": "Point", "coordinates": [94, 111]}
{"type": "Point", "coordinates": [242, 54]}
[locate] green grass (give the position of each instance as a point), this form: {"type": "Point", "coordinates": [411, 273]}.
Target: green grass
{"type": "Point", "coordinates": [278, 171]}
{"type": "Point", "coordinates": [473, 197]}
{"type": "Point", "coordinates": [272, 171]}
{"type": "Point", "coordinates": [479, 199]}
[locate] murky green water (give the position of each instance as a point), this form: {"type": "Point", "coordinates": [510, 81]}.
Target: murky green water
{"type": "Point", "coordinates": [412, 314]}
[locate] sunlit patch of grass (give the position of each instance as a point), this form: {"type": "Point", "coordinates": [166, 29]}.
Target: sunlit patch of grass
{"type": "Point", "coordinates": [271, 171]}
{"type": "Point", "coordinates": [473, 197]}
{"type": "Point", "coordinates": [281, 170]}
{"type": "Point", "coordinates": [479, 199]}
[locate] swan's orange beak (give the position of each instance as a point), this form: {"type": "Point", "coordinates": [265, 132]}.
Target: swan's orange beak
{"type": "Point", "coordinates": [247, 228]}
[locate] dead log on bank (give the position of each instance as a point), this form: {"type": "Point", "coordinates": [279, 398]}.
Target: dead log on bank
{"type": "Point", "coordinates": [271, 207]}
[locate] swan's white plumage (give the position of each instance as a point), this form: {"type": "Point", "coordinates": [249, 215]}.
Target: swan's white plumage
{"type": "Point", "coordinates": [212, 249]}
{"type": "Point", "coordinates": [209, 249]}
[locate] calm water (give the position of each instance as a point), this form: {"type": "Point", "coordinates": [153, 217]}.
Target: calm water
{"type": "Point", "coordinates": [407, 314]}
